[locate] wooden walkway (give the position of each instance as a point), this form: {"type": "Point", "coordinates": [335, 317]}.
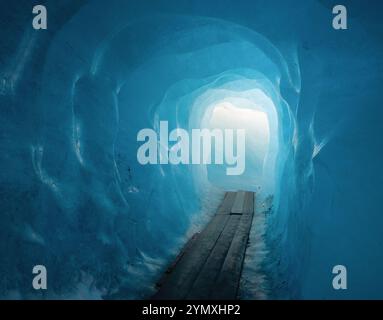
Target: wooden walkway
{"type": "Point", "coordinates": [210, 265]}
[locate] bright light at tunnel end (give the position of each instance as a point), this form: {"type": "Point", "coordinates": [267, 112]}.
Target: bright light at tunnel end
{"type": "Point", "coordinates": [222, 144]}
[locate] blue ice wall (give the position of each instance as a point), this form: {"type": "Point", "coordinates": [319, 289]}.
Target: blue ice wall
{"type": "Point", "coordinates": [334, 216]}
{"type": "Point", "coordinates": [74, 197]}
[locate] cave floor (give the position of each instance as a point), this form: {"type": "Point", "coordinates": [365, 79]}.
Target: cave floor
{"type": "Point", "coordinates": [210, 264]}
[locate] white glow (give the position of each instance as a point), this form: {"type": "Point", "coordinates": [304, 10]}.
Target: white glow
{"type": "Point", "coordinates": [229, 115]}
{"type": "Point", "coordinates": [225, 115]}
{"type": "Point", "coordinates": [253, 110]}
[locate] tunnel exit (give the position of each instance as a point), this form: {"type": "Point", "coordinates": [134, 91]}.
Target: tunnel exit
{"type": "Point", "coordinates": [255, 121]}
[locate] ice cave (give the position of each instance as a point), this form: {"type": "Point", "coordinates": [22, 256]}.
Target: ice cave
{"type": "Point", "coordinates": [74, 96]}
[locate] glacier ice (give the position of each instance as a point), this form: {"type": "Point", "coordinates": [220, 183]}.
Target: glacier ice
{"type": "Point", "coordinates": [75, 199]}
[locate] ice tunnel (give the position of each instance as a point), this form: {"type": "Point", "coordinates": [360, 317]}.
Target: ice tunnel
{"type": "Point", "coordinates": [172, 78]}
{"type": "Point", "coordinates": [76, 199]}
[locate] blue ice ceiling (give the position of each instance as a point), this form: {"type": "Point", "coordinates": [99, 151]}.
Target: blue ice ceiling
{"type": "Point", "coordinates": [75, 199]}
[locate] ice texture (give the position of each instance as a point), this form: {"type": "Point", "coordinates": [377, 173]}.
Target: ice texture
{"type": "Point", "coordinates": [75, 199]}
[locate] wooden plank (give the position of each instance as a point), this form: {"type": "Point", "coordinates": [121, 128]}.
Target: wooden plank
{"type": "Point", "coordinates": [179, 282]}
{"type": "Point", "coordinates": [248, 206]}
{"type": "Point", "coordinates": [227, 204]}
{"type": "Point", "coordinates": [204, 283]}
{"type": "Point", "coordinates": [210, 266]}
{"type": "Point", "coordinates": [188, 245]}
{"type": "Point", "coordinates": [238, 203]}
{"type": "Point", "coordinates": [230, 274]}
